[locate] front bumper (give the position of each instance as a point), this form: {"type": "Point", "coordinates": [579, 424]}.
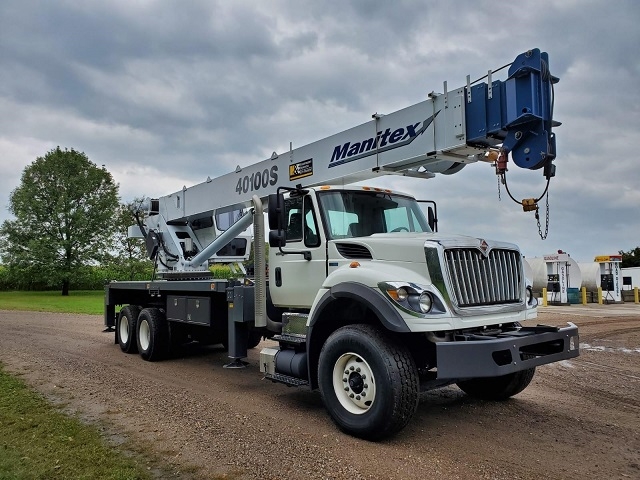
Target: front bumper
{"type": "Point", "coordinates": [506, 353]}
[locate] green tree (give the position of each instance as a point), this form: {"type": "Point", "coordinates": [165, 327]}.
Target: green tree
{"type": "Point", "coordinates": [64, 218]}
{"type": "Point", "coordinates": [630, 258]}
{"type": "Point", "coordinates": [129, 257]}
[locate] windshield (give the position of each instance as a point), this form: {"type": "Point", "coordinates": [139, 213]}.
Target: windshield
{"type": "Point", "coordinates": [350, 214]}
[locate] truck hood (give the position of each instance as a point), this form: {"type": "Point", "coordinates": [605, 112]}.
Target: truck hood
{"type": "Point", "coordinates": [409, 247]}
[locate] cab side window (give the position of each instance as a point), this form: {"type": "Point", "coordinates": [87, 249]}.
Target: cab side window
{"type": "Point", "coordinates": [311, 237]}
{"type": "Point", "coordinates": [293, 209]}
{"type": "Point", "coordinates": [301, 221]}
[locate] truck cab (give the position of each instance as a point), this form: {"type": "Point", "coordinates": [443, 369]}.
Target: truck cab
{"type": "Point", "coordinates": [322, 221]}
{"type": "Point", "coordinates": [381, 239]}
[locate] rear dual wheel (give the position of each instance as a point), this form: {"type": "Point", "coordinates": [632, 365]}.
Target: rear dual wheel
{"type": "Point", "coordinates": [126, 329]}
{"type": "Point", "coordinates": [255, 337]}
{"type": "Point", "coordinates": [152, 334]}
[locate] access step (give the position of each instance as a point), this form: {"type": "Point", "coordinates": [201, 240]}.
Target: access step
{"type": "Point", "coordinates": [290, 339]}
{"type": "Point", "coordinates": [287, 380]}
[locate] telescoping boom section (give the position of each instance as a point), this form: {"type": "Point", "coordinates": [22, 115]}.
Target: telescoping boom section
{"type": "Point", "coordinates": [438, 135]}
{"type": "Point", "coordinates": [364, 299]}
{"type": "Point", "coordinates": [441, 134]}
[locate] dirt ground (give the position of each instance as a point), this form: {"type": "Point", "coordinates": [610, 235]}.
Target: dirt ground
{"type": "Point", "coordinates": [578, 418]}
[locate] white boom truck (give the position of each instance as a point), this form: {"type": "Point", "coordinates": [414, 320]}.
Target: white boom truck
{"type": "Point", "coordinates": [363, 298]}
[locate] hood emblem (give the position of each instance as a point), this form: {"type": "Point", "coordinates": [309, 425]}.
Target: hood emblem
{"type": "Point", "coordinates": [484, 247]}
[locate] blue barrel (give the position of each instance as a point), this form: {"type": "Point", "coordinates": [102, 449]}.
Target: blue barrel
{"type": "Point", "coordinates": [573, 295]}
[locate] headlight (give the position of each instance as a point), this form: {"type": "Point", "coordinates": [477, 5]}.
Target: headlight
{"type": "Point", "coordinates": [409, 297]}
{"type": "Point", "coordinates": [425, 302]}
{"type": "Point", "coordinates": [402, 294]}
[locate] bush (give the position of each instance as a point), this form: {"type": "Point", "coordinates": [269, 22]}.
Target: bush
{"type": "Point", "coordinates": [222, 271]}
{"type": "Point", "coordinates": [85, 278]}
{"type": "Point", "coordinates": [94, 278]}
{"type": "Point", "coordinates": [5, 280]}
{"type": "Point", "coordinates": [15, 278]}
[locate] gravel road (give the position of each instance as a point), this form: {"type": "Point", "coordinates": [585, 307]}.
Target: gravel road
{"type": "Point", "coordinates": [578, 418]}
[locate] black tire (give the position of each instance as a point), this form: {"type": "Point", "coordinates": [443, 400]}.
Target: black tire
{"type": "Point", "coordinates": [126, 329]}
{"type": "Point", "coordinates": [253, 340]}
{"type": "Point", "coordinates": [152, 334]}
{"type": "Point", "coordinates": [178, 335]}
{"type": "Point", "coordinates": [255, 337]}
{"type": "Point", "coordinates": [382, 377]}
{"type": "Point", "coordinates": [498, 388]}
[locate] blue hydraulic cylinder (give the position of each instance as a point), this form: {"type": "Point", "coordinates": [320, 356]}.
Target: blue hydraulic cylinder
{"type": "Point", "coordinates": [516, 113]}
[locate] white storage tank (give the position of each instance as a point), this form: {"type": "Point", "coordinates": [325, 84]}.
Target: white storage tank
{"type": "Point", "coordinates": [558, 273]}
{"type": "Point", "coordinates": [528, 271]}
{"type": "Point", "coordinates": [591, 277]}
{"type": "Point", "coordinates": [538, 267]}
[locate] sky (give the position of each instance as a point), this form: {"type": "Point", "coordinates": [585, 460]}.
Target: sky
{"type": "Point", "coordinates": [167, 93]}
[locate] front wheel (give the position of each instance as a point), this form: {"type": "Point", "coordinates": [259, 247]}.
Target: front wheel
{"type": "Point", "coordinates": [369, 383]}
{"type": "Point", "coordinates": [498, 388]}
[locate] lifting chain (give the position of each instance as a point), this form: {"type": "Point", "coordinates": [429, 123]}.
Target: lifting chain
{"type": "Point", "coordinates": [528, 204]}
{"type": "Point", "coordinates": [546, 226]}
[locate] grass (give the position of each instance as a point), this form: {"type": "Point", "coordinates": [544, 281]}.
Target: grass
{"type": "Point", "coordinates": [39, 442]}
{"type": "Point", "coordinates": [88, 302]}
{"type": "Point", "coordinates": [81, 301]}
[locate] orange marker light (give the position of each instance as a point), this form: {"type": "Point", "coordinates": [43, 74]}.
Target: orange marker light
{"type": "Point", "coordinates": [393, 294]}
{"type": "Point", "coordinates": [354, 265]}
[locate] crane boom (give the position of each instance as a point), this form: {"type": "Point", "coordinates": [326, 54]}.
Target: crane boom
{"type": "Point", "coordinates": [438, 135]}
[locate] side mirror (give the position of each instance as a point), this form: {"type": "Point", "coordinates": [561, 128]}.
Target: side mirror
{"type": "Point", "coordinates": [277, 238]}
{"type": "Point", "coordinates": [275, 212]}
{"type": "Point", "coordinates": [432, 214]}
{"type": "Point", "coordinates": [433, 221]}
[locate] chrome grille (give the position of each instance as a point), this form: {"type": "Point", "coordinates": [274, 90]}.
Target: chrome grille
{"type": "Point", "coordinates": [484, 280]}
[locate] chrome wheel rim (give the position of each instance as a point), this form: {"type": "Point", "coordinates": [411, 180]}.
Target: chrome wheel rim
{"type": "Point", "coordinates": [144, 335]}
{"type": "Point", "coordinates": [354, 383]}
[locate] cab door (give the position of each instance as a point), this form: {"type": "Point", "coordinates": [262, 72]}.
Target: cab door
{"type": "Point", "coordinates": [294, 281]}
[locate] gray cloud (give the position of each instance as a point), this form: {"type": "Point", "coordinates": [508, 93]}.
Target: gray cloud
{"type": "Point", "coordinates": [168, 93]}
